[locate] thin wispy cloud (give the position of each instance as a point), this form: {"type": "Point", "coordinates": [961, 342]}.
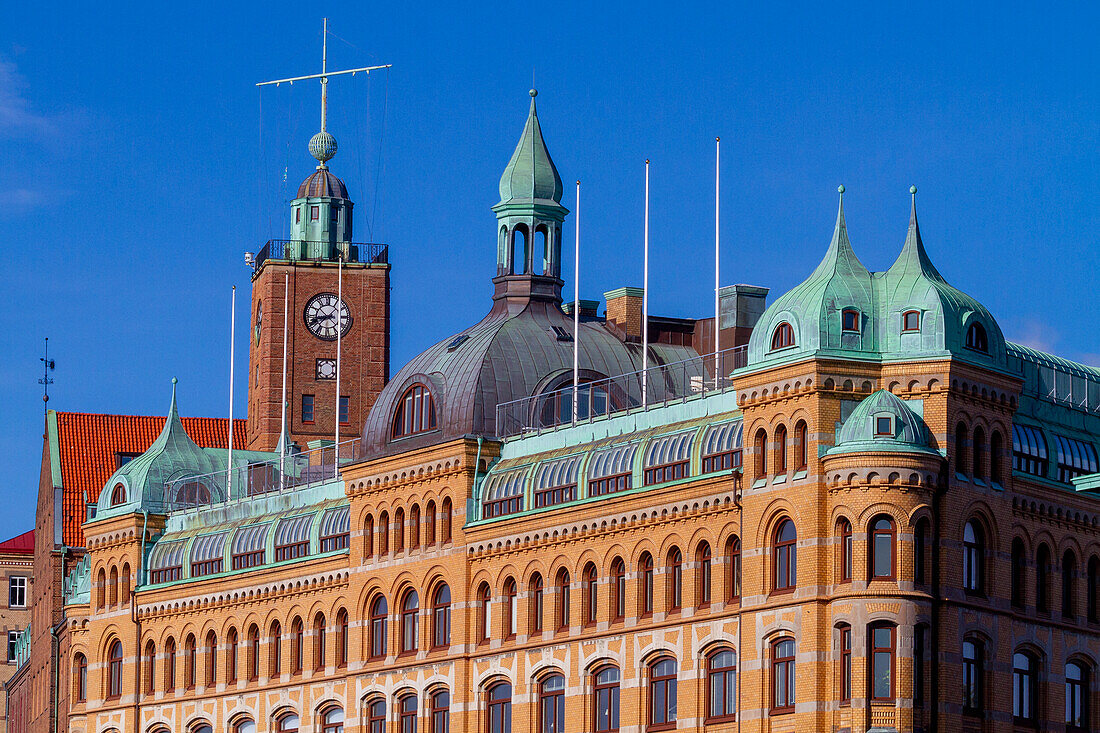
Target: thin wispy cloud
{"type": "Point", "coordinates": [17, 116]}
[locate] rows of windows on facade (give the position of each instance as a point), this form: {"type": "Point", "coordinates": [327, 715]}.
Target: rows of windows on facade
{"type": "Point", "coordinates": [17, 598]}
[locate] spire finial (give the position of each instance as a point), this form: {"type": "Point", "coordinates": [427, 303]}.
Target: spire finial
{"type": "Point", "coordinates": [840, 189]}
{"type": "Point", "coordinates": [913, 206]}
{"type": "Point", "coordinates": [534, 93]}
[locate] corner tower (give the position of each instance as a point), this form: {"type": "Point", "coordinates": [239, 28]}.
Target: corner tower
{"type": "Point", "coordinates": [529, 219]}
{"type": "Point", "coordinates": [295, 290]}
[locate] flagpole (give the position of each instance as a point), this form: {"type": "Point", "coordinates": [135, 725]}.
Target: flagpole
{"type": "Point", "coordinates": [339, 334]}
{"type": "Point", "coordinates": [717, 142]}
{"type": "Point", "coordinates": [232, 343]}
{"type": "Point", "coordinates": [576, 302]}
{"type": "Point", "coordinates": [285, 439]}
{"type": "Point", "coordinates": [645, 296]}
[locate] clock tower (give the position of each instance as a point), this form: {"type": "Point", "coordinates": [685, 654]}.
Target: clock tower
{"type": "Point", "coordinates": [324, 292]}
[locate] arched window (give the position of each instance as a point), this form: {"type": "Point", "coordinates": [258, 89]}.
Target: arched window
{"type": "Point", "coordinates": [883, 643]}
{"type": "Point", "coordinates": [170, 664]}
{"type": "Point", "coordinates": [910, 321]}
{"type": "Point", "coordinates": [996, 457]}
{"type": "Point", "coordinates": [1018, 571]}
{"type": "Point", "coordinates": [440, 711]}
{"type": "Point", "coordinates": [441, 617]}
{"type": "Point", "coordinates": [379, 612]}
{"type": "Point", "coordinates": [445, 520]}
{"type": "Point", "coordinates": [510, 608]}
{"type": "Point", "coordinates": [605, 699]}
{"type": "Point", "coordinates": [973, 672]}
{"type": "Point", "coordinates": [287, 723]}
{"type": "Point", "coordinates": [80, 677]}
{"type": "Point", "coordinates": [519, 250]}
{"type": "Point", "coordinates": [244, 725]}
{"type": "Point", "coordinates": [149, 667]}
{"type": "Point", "coordinates": [662, 694]}
{"type": "Point", "coordinates": [920, 552]}
{"type": "Point", "coordinates": [211, 649]}
{"type": "Point", "coordinates": [189, 663]}
{"type": "Point", "coordinates": [782, 675]}
{"type": "Point", "coordinates": [203, 727]}
{"type": "Point", "coordinates": [1025, 689]}
{"type": "Point", "coordinates": [563, 599]}
{"type": "Point", "coordinates": [297, 645]}
{"type": "Point", "coordinates": [1093, 589]}
{"type": "Point", "coordinates": [540, 254]}
{"type": "Point", "coordinates": [978, 453]}
{"type": "Point", "coordinates": [410, 622]}
{"type": "Point", "coordinates": [733, 552]}
{"type": "Point", "coordinates": [618, 589]}
{"type": "Point", "coordinates": [333, 721]}
{"type": "Point", "coordinates": [781, 449]}
{"type": "Point", "coordinates": [591, 594]}
{"type": "Point", "coordinates": [113, 586]}
{"type": "Point", "coordinates": [415, 412]}
{"type": "Point", "coordinates": [429, 523]}
{"type": "Point", "coordinates": [883, 557]}
{"type": "Point", "coordinates": [960, 449]}
{"type": "Point", "coordinates": [784, 556]}
{"type": "Point", "coordinates": [275, 651]}
{"type": "Point", "coordinates": [675, 580]}
{"type": "Point", "coordinates": [976, 338]}
{"type": "Point", "coordinates": [254, 652]}
{"type": "Point", "coordinates": [721, 686]}
{"type": "Point", "coordinates": [406, 714]}
{"type": "Point", "coordinates": [231, 657]}
{"type": "Point", "coordinates": [973, 557]}
{"type": "Point", "coordinates": [849, 320]}
{"type": "Point", "coordinates": [114, 669]}
{"type": "Point", "coordinates": [500, 708]}
{"type": "Point", "coordinates": [1069, 584]}
{"type": "Point", "coordinates": [552, 704]}
{"type": "Point", "coordinates": [1042, 579]}
{"type": "Point", "coordinates": [1077, 697]}
{"type": "Point", "coordinates": [118, 495]}
{"type": "Point", "coordinates": [844, 530]}
{"type": "Point", "coordinates": [319, 641]}
{"type": "Point", "coordinates": [399, 530]}
{"type": "Point", "coordinates": [800, 446]}
{"type": "Point", "coordinates": [342, 632]}
{"type": "Point", "coordinates": [368, 537]}
{"type": "Point", "coordinates": [760, 453]}
{"type": "Point", "coordinates": [383, 533]}
{"type": "Point", "coordinates": [538, 604]}
{"type": "Point", "coordinates": [702, 575]}
{"type": "Point", "coordinates": [782, 336]}
{"type": "Point", "coordinates": [101, 589]}
{"type": "Point", "coordinates": [414, 527]}
{"type": "Point", "coordinates": [484, 612]}
{"type": "Point", "coordinates": [376, 716]}
{"type": "Point", "coordinates": [845, 632]}
{"type": "Point", "coordinates": [645, 568]}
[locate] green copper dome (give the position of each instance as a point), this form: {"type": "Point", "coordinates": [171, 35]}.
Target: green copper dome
{"type": "Point", "coordinates": [531, 174]}
{"type": "Point", "coordinates": [882, 422]}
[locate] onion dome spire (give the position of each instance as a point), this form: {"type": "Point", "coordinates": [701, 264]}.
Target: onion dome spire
{"type": "Point", "coordinates": [531, 173]}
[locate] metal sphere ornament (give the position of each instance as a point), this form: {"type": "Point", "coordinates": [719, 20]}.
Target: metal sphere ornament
{"type": "Point", "coordinates": [322, 146]}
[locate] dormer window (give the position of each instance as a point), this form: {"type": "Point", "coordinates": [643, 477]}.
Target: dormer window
{"type": "Point", "coordinates": [884, 427]}
{"type": "Point", "coordinates": [976, 338]}
{"type": "Point", "coordinates": [783, 336]}
{"type": "Point", "coordinates": [118, 495]}
{"type": "Point", "coordinates": [849, 320]}
{"type": "Point", "coordinates": [910, 321]}
{"type": "Point", "coordinates": [415, 412]}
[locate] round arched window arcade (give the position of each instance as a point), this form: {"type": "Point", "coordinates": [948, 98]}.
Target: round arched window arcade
{"type": "Point", "coordinates": [415, 412]}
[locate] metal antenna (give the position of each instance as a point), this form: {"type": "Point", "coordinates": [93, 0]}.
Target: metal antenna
{"type": "Point", "coordinates": [48, 366]}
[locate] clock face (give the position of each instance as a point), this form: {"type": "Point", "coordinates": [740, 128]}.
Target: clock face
{"type": "Point", "coordinates": [323, 312]}
{"type": "Point", "coordinates": [259, 318]}
{"type": "Point", "coordinates": [326, 369]}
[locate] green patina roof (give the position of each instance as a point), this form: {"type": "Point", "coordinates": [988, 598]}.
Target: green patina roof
{"type": "Point", "coordinates": [858, 434]}
{"type": "Point", "coordinates": [814, 309]}
{"type": "Point", "coordinates": [531, 174]}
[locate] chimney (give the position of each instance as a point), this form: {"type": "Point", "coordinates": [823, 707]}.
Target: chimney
{"type": "Point", "coordinates": [588, 308]}
{"type": "Point", "coordinates": [739, 308]}
{"type": "Point", "coordinates": [624, 310]}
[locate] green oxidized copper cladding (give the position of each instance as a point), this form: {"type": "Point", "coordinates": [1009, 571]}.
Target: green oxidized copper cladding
{"type": "Point", "coordinates": [860, 434]}
{"type": "Point", "coordinates": [531, 173]}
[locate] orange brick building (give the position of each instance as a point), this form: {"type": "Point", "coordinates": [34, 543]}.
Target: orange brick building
{"type": "Point", "coordinates": [875, 515]}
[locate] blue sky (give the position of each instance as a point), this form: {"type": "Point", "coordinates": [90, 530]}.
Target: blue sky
{"type": "Point", "coordinates": [139, 163]}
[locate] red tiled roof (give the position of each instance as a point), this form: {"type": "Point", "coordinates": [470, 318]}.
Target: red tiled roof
{"type": "Point", "coordinates": [88, 444]}
{"type": "Point", "coordinates": [21, 545]}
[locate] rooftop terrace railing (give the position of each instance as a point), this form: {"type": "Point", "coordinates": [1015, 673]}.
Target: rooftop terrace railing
{"type": "Point", "coordinates": [656, 386]}
{"type": "Point", "coordinates": [248, 481]}
{"type": "Point", "coordinates": [303, 249]}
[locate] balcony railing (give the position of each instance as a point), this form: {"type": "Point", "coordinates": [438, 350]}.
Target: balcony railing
{"type": "Point", "coordinates": [247, 481]}
{"type": "Point", "coordinates": [659, 385]}
{"type": "Point", "coordinates": [303, 249]}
